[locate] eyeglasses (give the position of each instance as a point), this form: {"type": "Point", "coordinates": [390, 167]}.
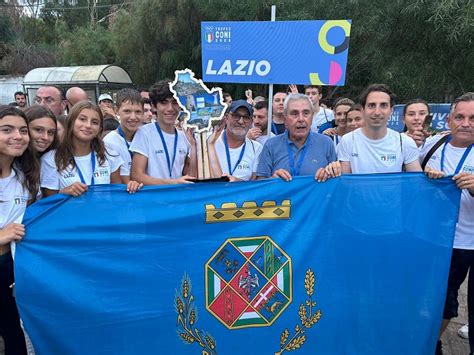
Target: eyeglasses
{"type": "Point", "coordinates": [236, 117]}
{"type": "Point", "coordinates": [48, 100]}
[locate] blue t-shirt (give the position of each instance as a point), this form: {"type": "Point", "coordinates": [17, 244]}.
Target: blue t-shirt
{"type": "Point", "coordinates": [320, 152]}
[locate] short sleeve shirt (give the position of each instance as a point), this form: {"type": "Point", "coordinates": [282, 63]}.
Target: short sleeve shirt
{"type": "Point", "coordinates": [368, 156]}
{"type": "Point", "coordinates": [114, 141]}
{"type": "Point", "coordinates": [53, 179]}
{"type": "Point", "coordinates": [464, 236]}
{"type": "Point", "coordinates": [247, 166]}
{"type": "Point", "coordinates": [147, 142]}
{"type": "Point", "coordinates": [319, 153]}
{"type": "Point", "coordinates": [13, 199]}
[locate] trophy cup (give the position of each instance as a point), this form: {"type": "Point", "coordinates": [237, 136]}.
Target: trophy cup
{"type": "Point", "coordinates": [200, 108]}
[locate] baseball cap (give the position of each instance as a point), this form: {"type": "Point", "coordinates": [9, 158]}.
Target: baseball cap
{"type": "Point", "coordinates": [235, 105]}
{"type": "Point", "coordinates": [105, 97]}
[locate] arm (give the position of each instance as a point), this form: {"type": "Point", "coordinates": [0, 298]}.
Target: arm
{"type": "Point", "coordinates": [76, 189]}
{"type": "Point", "coordinates": [346, 167]}
{"type": "Point", "coordinates": [413, 166]}
{"type": "Point", "coordinates": [11, 232]}
{"type": "Point", "coordinates": [139, 165]}
{"type": "Point", "coordinates": [191, 164]}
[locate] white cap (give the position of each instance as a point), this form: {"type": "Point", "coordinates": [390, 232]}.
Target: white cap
{"type": "Point", "coordinates": [105, 97]}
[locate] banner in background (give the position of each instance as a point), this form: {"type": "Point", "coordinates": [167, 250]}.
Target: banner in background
{"type": "Point", "coordinates": [356, 265]}
{"type": "Point", "coordinates": [280, 52]}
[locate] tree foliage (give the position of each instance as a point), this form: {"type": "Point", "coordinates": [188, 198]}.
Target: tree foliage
{"type": "Point", "coordinates": [421, 48]}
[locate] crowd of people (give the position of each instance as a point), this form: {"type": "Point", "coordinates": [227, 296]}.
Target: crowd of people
{"type": "Point", "coordinates": [136, 139]}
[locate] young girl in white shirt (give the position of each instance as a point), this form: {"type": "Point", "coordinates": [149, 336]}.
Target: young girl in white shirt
{"type": "Point", "coordinates": [81, 158]}
{"type": "Point", "coordinates": [19, 184]}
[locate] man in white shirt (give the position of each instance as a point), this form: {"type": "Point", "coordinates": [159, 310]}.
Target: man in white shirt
{"type": "Point", "coordinates": [259, 131]}
{"type": "Point", "coordinates": [321, 115]}
{"type": "Point", "coordinates": [162, 154]}
{"type": "Point", "coordinates": [455, 156]}
{"type": "Point", "coordinates": [375, 148]}
{"type": "Point", "coordinates": [130, 110]}
{"type": "Point", "coordinates": [232, 153]}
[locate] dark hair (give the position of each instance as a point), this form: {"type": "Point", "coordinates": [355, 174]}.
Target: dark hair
{"type": "Point", "coordinates": [65, 152]}
{"type": "Point", "coordinates": [468, 96]}
{"type": "Point", "coordinates": [146, 100]}
{"type": "Point", "coordinates": [110, 124]}
{"type": "Point", "coordinates": [160, 91]}
{"type": "Point", "coordinates": [319, 87]}
{"type": "Point", "coordinates": [415, 101]}
{"type": "Point", "coordinates": [225, 94]}
{"type": "Point", "coordinates": [14, 104]}
{"type": "Point", "coordinates": [36, 112]}
{"type": "Point", "coordinates": [131, 96]}
{"type": "Point", "coordinates": [261, 104]}
{"type": "Point", "coordinates": [26, 165]}
{"type": "Point", "coordinates": [61, 91]}
{"type": "Point", "coordinates": [376, 87]}
{"type": "Point", "coordinates": [19, 93]}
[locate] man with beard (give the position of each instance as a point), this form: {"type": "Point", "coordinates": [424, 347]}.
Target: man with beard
{"type": "Point", "coordinates": [298, 151]}
{"type": "Point", "coordinates": [20, 99]}
{"type": "Point", "coordinates": [130, 110]}
{"type": "Point", "coordinates": [232, 153]}
{"type": "Point", "coordinates": [259, 132]}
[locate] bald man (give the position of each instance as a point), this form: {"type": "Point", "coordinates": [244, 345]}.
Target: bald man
{"type": "Point", "coordinates": [75, 95]}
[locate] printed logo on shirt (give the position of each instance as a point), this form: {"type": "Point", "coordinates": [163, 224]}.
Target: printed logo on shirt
{"type": "Point", "coordinates": [182, 151]}
{"type": "Point", "coordinates": [355, 155]}
{"type": "Point", "coordinates": [159, 151]}
{"type": "Point", "coordinates": [468, 169]}
{"type": "Point", "coordinates": [69, 175]}
{"type": "Point", "coordinates": [101, 173]}
{"type": "Point", "coordinates": [243, 167]}
{"type": "Point", "coordinates": [433, 157]}
{"type": "Point", "coordinates": [388, 158]}
{"type": "Point", "coordinates": [20, 200]}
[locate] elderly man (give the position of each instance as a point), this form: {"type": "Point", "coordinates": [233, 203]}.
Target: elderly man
{"type": "Point", "coordinates": [232, 153]}
{"type": "Point", "coordinates": [298, 151]}
{"type": "Point", "coordinates": [52, 97]}
{"type": "Point", "coordinates": [453, 155]}
{"type": "Point", "coordinates": [75, 95]}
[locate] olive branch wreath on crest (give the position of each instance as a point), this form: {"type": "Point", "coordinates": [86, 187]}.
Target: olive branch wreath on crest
{"type": "Point", "coordinates": [308, 317]}
{"type": "Point", "coordinates": [187, 318]}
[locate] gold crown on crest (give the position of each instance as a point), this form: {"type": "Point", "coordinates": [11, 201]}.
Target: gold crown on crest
{"type": "Point", "coordinates": [250, 211]}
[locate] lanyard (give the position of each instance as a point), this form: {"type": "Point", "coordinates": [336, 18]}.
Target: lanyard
{"type": "Point", "coordinates": [336, 139]}
{"type": "Point", "coordinates": [227, 153]}
{"type": "Point", "coordinates": [461, 162]}
{"type": "Point", "coordinates": [122, 134]}
{"type": "Point", "coordinates": [165, 148]}
{"type": "Point", "coordinates": [81, 176]}
{"type": "Point", "coordinates": [296, 171]}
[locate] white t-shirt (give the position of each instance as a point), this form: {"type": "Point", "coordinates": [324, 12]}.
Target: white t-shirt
{"type": "Point", "coordinates": [386, 155]}
{"type": "Point", "coordinates": [264, 137]}
{"type": "Point", "coordinates": [464, 238]}
{"type": "Point", "coordinates": [114, 141]}
{"type": "Point", "coordinates": [248, 164]}
{"type": "Point", "coordinates": [324, 115]}
{"type": "Point", "coordinates": [54, 180]}
{"type": "Point", "coordinates": [13, 199]}
{"type": "Point", "coordinates": [147, 142]}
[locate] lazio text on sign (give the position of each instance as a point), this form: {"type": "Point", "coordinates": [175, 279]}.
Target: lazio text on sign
{"type": "Point", "coordinates": [300, 52]}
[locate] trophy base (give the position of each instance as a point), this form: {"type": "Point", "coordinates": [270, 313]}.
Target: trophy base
{"type": "Point", "coordinates": [219, 179]}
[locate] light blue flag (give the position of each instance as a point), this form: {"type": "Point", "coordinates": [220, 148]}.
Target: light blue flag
{"type": "Point", "coordinates": [356, 265]}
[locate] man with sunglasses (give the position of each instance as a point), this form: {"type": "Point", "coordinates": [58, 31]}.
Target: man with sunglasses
{"type": "Point", "coordinates": [237, 155]}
